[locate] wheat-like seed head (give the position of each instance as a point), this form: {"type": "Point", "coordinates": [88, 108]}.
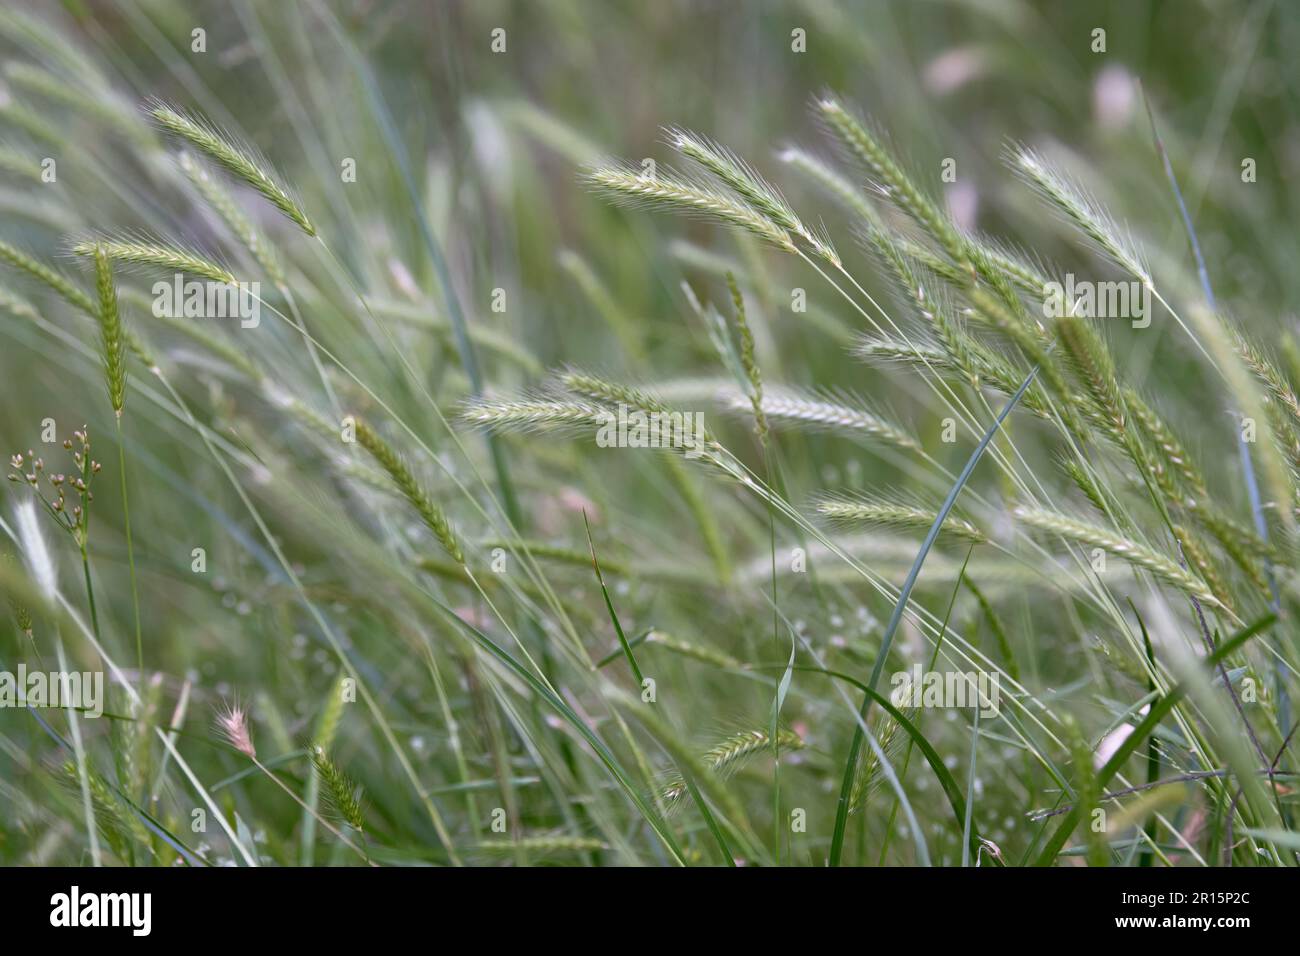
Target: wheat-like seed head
{"type": "Point", "coordinates": [696, 651]}
{"type": "Point", "coordinates": [234, 218]}
{"type": "Point", "coordinates": [893, 182]}
{"type": "Point", "coordinates": [748, 360]}
{"type": "Point", "coordinates": [1077, 207]}
{"type": "Point", "coordinates": [432, 515]}
{"type": "Point", "coordinates": [110, 328]}
{"type": "Point", "coordinates": [729, 755]}
{"type": "Point", "coordinates": [327, 724]}
{"type": "Point", "coordinates": [848, 510]}
{"type": "Point", "coordinates": [829, 411]}
{"type": "Point", "coordinates": [59, 283]}
{"type": "Point", "coordinates": [746, 183]}
{"type": "Point", "coordinates": [832, 181]}
{"type": "Point", "coordinates": [148, 252]}
{"type": "Point", "coordinates": [664, 190]}
{"type": "Point", "coordinates": [528, 414]}
{"type": "Point", "coordinates": [239, 159]}
{"type": "Point", "coordinates": [1083, 533]}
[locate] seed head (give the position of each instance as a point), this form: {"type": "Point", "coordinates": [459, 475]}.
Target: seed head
{"type": "Point", "coordinates": [232, 724]}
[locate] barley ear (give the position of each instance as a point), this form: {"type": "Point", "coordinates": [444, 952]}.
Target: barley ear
{"type": "Point", "coordinates": [239, 224]}
{"type": "Point", "coordinates": [667, 191]}
{"type": "Point", "coordinates": [110, 328]}
{"type": "Point", "coordinates": [1080, 209]}
{"type": "Point", "coordinates": [747, 359]}
{"type": "Point", "coordinates": [749, 186]}
{"type": "Point", "coordinates": [151, 252]}
{"type": "Point", "coordinates": [1140, 555]}
{"type": "Point", "coordinates": [893, 182]}
{"type": "Point", "coordinates": [388, 459]}
{"type": "Point", "coordinates": [12, 256]}
{"type": "Point", "coordinates": [239, 160]}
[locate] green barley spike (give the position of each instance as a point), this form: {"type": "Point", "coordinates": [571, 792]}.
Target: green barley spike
{"type": "Point", "coordinates": [747, 359]}
{"type": "Point", "coordinates": [110, 326]}
{"type": "Point", "coordinates": [414, 492]}
{"type": "Point", "coordinates": [239, 160]}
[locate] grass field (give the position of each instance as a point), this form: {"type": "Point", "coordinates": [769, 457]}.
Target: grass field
{"type": "Point", "coordinates": [585, 434]}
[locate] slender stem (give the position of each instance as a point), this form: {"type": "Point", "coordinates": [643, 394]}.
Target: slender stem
{"type": "Point", "coordinates": [90, 593]}
{"type": "Point", "coordinates": [130, 556]}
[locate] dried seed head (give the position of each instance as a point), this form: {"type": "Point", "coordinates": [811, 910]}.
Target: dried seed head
{"type": "Point", "coordinates": [232, 724]}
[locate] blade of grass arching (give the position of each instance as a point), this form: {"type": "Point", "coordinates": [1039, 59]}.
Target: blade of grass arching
{"type": "Point", "coordinates": [950, 788]}
{"type": "Point", "coordinates": [1247, 465]}
{"type": "Point", "coordinates": [851, 764]}
{"type": "Point", "coordinates": [1157, 713]}
{"type": "Point", "coordinates": [613, 615]}
{"type": "Point", "coordinates": [934, 657]}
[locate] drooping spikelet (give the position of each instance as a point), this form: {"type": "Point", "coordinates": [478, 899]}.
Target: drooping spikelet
{"type": "Point", "coordinates": [110, 330]}
{"type": "Point", "coordinates": [234, 218]}
{"type": "Point", "coordinates": [432, 515]}
{"type": "Point", "coordinates": [1138, 554]}
{"type": "Point", "coordinates": [238, 159]}
{"type": "Point", "coordinates": [149, 252]}
{"type": "Point", "coordinates": [680, 194]}
{"type": "Point", "coordinates": [896, 184]}
{"type": "Point", "coordinates": [756, 191]}
{"type": "Point", "coordinates": [729, 755]}
{"type": "Point", "coordinates": [833, 182]}
{"type": "Point", "coordinates": [748, 361]}
{"type": "Point", "coordinates": [1079, 209]}
{"type": "Point", "coordinates": [891, 514]}
{"type": "Point", "coordinates": [59, 283]}
{"type": "Point", "coordinates": [529, 414]}
{"type": "Point", "coordinates": [829, 411]}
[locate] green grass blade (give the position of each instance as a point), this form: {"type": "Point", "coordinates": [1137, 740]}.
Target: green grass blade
{"type": "Point", "coordinates": [851, 764]}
